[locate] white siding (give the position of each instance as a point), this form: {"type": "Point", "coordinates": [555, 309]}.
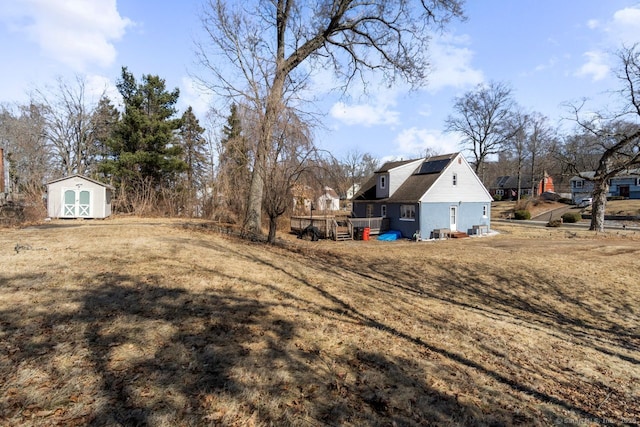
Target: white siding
{"type": "Point", "coordinates": [468, 186]}
{"type": "Point", "coordinates": [100, 203]}
{"type": "Point", "coordinates": [397, 176]}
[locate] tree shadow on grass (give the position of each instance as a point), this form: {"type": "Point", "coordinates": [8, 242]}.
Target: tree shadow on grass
{"type": "Point", "coordinates": [156, 354]}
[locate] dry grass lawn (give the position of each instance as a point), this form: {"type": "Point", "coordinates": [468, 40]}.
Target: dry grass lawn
{"type": "Point", "coordinates": [164, 323]}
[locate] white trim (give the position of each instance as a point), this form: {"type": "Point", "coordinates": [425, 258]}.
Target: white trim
{"type": "Point", "coordinates": [411, 208]}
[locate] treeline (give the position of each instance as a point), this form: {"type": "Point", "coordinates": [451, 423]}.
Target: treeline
{"type": "Point", "coordinates": [160, 161]}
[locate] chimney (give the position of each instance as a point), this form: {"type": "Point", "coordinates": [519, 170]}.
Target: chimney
{"type": "Point", "coordinates": [1, 171]}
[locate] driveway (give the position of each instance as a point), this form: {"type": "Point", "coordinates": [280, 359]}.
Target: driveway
{"type": "Point", "coordinates": [555, 213]}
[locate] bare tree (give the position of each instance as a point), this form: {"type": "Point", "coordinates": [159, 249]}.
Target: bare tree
{"type": "Point", "coordinates": [70, 129]}
{"type": "Point", "coordinates": [517, 125]}
{"type": "Point", "coordinates": [615, 138]}
{"type": "Point", "coordinates": [288, 159]}
{"type": "Point", "coordinates": [541, 138]}
{"type": "Point", "coordinates": [481, 116]}
{"type": "Point", "coordinates": [255, 51]}
{"type": "Point", "coordinates": [23, 137]}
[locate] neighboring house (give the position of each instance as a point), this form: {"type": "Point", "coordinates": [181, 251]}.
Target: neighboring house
{"type": "Point", "coordinates": [328, 201]}
{"type": "Point", "coordinates": [506, 187]}
{"type": "Point", "coordinates": [78, 197]}
{"type": "Point", "coordinates": [625, 185]}
{"type": "Point", "coordinates": [426, 195]}
{"type": "Point", "coordinates": [352, 191]}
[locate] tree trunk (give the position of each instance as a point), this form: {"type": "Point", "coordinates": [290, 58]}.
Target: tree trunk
{"type": "Point", "coordinates": [598, 204]}
{"type": "Point", "coordinates": [253, 220]}
{"type": "Point", "coordinates": [273, 225]}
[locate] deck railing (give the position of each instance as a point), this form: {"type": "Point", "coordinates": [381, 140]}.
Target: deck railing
{"type": "Point", "coordinates": [376, 225]}
{"type": "Point", "coordinates": [329, 226]}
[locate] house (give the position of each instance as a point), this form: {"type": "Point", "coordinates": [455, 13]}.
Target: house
{"type": "Point", "coordinates": [506, 187]}
{"type": "Point", "coordinates": [328, 201]}
{"type": "Point", "coordinates": [425, 196]}
{"type": "Point", "coordinates": [625, 185]}
{"type": "Point", "coordinates": [77, 196]}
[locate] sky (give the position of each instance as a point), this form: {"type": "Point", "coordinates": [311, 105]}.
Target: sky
{"type": "Point", "coordinates": [550, 52]}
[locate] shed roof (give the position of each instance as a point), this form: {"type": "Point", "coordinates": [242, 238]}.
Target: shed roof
{"type": "Point", "coordinates": [64, 178]}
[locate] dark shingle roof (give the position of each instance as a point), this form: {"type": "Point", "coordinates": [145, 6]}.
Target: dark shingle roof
{"type": "Point", "coordinates": [422, 179]}
{"type": "Point", "coordinates": [414, 186]}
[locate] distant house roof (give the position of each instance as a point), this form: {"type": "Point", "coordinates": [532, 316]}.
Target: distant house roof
{"type": "Point", "coordinates": [511, 181]}
{"type": "Point", "coordinates": [589, 175]}
{"type": "Point", "coordinates": [330, 192]}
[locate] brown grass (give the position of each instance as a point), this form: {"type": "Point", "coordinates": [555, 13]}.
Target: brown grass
{"type": "Point", "coordinates": [163, 323]}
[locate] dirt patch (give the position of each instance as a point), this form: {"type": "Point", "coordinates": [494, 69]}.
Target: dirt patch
{"type": "Point", "coordinates": [160, 322]}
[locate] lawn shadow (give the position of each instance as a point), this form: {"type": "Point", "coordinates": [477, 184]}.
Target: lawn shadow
{"type": "Point", "coordinates": [158, 354]}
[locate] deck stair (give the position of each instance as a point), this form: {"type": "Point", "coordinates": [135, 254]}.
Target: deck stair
{"type": "Point", "coordinates": [458, 235]}
{"type": "Point", "coordinates": [342, 233]}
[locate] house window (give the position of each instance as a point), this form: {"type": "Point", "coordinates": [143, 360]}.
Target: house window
{"type": "Point", "coordinates": [485, 210]}
{"type": "Point", "coordinates": [500, 192]}
{"type": "Point", "coordinates": [577, 184]}
{"type": "Point", "coordinates": [383, 181]}
{"type": "Point", "coordinates": [638, 182]}
{"type": "Point", "coordinates": [383, 211]}
{"type": "Point", "coordinates": [455, 179]}
{"type": "Point", "coordinates": [407, 212]}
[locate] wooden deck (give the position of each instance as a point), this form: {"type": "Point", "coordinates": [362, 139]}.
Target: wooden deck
{"type": "Point", "coordinates": [338, 227]}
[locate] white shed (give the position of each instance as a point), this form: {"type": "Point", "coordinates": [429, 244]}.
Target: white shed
{"type": "Point", "coordinates": [78, 197]}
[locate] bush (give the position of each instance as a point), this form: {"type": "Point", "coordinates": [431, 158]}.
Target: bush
{"type": "Point", "coordinates": [571, 217]}
{"type": "Point", "coordinates": [497, 198]}
{"type": "Point", "coordinates": [554, 223]}
{"type": "Point", "coordinates": [522, 214]}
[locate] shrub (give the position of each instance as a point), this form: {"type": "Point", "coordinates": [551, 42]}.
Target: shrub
{"type": "Point", "coordinates": [497, 198]}
{"type": "Point", "coordinates": [554, 223]}
{"type": "Point", "coordinates": [522, 214]}
{"type": "Point", "coordinates": [571, 217]}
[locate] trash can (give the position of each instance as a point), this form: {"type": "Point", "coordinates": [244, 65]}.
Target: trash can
{"type": "Point", "coordinates": [358, 233]}
{"type": "Point", "coordinates": [365, 233]}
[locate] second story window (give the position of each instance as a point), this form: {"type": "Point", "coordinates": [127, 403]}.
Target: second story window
{"type": "Point", "coordinates": [383, 181]}
{"type": "Point", "coordinates": [455, 179]}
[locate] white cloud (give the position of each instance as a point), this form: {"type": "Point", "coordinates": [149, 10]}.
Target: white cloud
{"type": "Point", "coordinates": [451, 64]}
{"type": "Point", "coordinates": [415, 141]}
{"type": "Point", "coordinates": [625, 26]}
{"type": "Point", "coordinates": [378, 113]}
{"type": "Point", "coordinates": [194, 95]}
{"type": "Point", "coordinates": [96, 86]}
{"type": "Point", "coordinates": [593, 24]}
{"type": "Point", "coordinates": [73, 32]}
{"type": "Point", "coordinates": [596, 67]}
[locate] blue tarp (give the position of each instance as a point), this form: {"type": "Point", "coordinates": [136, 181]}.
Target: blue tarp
{"type": "Point", "coordinates": [390, 235]}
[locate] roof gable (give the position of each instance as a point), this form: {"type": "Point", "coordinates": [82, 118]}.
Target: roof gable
{"type": "Point", "coordinates": [75, 176]}
{"type": "Point", "coordinates": [422, 179]}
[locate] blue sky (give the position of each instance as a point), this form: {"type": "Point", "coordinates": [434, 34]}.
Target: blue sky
{"type": "Point", "coordinates": [550, 51]}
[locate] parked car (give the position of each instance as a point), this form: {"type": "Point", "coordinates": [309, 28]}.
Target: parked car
{"type": "Point", "coordinates": [585, 202]}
